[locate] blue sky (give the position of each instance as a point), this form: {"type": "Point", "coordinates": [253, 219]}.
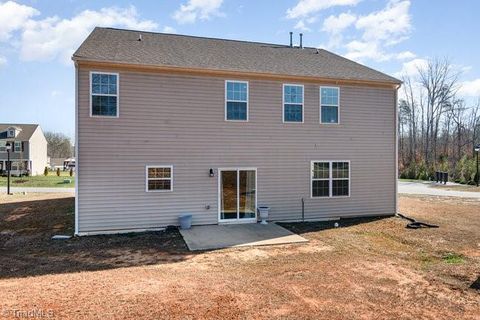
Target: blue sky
{"type": "Point", "coordinates": [37, 39]}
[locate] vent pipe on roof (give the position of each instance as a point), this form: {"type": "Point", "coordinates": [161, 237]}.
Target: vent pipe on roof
{"type": "Point", "coordinates": [139, 37]}
{"type": "Point", "coordinates": [301, 42]}
{"type": "Point", "coordinates": [291, 39]}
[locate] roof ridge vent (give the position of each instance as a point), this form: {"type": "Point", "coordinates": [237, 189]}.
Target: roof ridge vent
{"type": "Point", "coordinates": [139, 37]}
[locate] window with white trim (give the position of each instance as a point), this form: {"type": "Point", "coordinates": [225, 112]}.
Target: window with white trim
{"type": "Point", "coordinates": [17, 146]}
{"type": "Point", "coordinates": [3, 146]}
{"type": "Point", "coordinates": [159, 178]}
{"type": "Point", "coordinates": [104, 94]}
{"type": "Point", "coordinates": [330, 179]}
{"type": "Point", "coordinates": [236, 100]}
{"type": "Point", "coordinates": [292, 103]}
{"type": "Point", "coordinates": [329, 104]}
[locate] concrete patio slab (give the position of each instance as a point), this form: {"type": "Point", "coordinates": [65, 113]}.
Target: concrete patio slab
{"type": "Point", "coordinates": [238, 235]}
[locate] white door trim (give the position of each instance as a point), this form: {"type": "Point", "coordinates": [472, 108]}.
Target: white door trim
{"type": "Point", "coordinates": [219, 202]}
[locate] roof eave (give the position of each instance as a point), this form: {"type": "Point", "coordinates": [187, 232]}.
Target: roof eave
{"type": "Point", "coordinates": [219, 72]}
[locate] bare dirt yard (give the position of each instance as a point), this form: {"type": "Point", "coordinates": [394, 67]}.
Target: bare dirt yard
{"type": "Point", "coordinates": [366, 269]}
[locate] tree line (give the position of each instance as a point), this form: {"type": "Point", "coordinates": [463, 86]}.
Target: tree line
{"type": "Point", "coordinates": [438, 130]}
{"type": "Point", "coordinates": [58, 145]}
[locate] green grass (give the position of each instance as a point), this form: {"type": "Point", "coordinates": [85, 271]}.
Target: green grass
{"type": "Point", "coordinates": [453, 258]}
{"type": "Point", "coordinates": [50, 181]}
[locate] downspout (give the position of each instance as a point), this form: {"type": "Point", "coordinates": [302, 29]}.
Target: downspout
{"type": "Point", "coordinates": [76, 149]}
{"type": "Point", "coordinates": [396, 146]}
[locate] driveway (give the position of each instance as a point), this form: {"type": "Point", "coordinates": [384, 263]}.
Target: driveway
{"type": "Point", "coordinates": [37, 190]}
{"type": "Point", "coordinates": [427, 188]}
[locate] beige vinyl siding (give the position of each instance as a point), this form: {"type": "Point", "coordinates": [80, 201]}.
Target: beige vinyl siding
{"type": "Point", "coordinates": [179, 120]}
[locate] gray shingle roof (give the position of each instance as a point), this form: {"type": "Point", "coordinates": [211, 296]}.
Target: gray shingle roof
{"type": "Point", "coordinates": [24, 135]}
{"type": "Point", "coordinates": [159, 49]}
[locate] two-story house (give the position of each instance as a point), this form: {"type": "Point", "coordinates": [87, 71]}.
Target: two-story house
{"type": "Point", "coordinates": [28, 152]}
{"type": "Point", "coordinates": [171, 124]}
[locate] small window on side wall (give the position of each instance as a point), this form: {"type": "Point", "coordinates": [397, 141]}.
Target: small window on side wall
{"type": "Point", "coordinates": [292, 103]}
{"type": "Point", "coordinates": [329, 105]}
{"type": "Point", "coordinates": [330, 179]}
{"type": "Point", "coordinates": [104, 94]}
{"type": "Point", "coordinates": [236, 100]}
{"type": "Point", "coordinates": [159, 178]}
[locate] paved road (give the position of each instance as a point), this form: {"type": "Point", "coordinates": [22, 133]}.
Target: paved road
{"type": "Point", "coordinates": [35, 190]}
{"type": "Point", "coordinates": [426, 188]}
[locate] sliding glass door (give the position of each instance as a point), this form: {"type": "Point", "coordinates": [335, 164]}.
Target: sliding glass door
{"type": "Point", "coordinates": [238, 195]}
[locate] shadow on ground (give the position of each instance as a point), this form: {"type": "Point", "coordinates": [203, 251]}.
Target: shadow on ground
{"type": "Point", "coordinates": [26, 248]}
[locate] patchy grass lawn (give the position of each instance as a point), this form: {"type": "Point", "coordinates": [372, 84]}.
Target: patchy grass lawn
{"type": "Point", "coordinates": [50, 181]}
{"type": "Point", "coordinates": [367, 268]}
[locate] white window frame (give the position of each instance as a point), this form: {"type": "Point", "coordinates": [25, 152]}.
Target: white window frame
{"type": "Point", "coordinates": [148, 179]}
{"type": "Point", "coordinates": [15, 146]}
{"type": "Point", "coordinates": [302, 104]}
{"type": "Point", "coordinates": [109, 95]}
{"type": "Point", "coordinates": [329, 105]}
{"type": "Point", "coordinates": [226, 100]}
{"type": "Point", "coordinates": [330, 179]}
{"type": "Point", "coordinates": [11, 133]}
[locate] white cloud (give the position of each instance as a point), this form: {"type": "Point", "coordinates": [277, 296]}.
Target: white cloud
{"type": "Point", "coordinates": [3, 61]}
{"type": "Point", "coordinates": [53, 38]}
{"type": "Point", "coordinates": [470, 88]}
{"type": "Point", "coordinates": [306, 8]}
{"type": "Point", "coordinates": [168, 29]}
{"type": "Point", "coordinates": [391, 24]}
{"type": "Point", "coordinates": [336, 24]}
{"type": "Point", "coordinates": [13, 16]}
{"type": "Point", "coordinates": [379, 30]}
{"type": "Point", "coordinates": [197, 9]}
{"type": "Point", "coordinates": [301, 26]}
{"type": "Point", "coordinates": [410, 68]}
{"type": "Point", "coordinates": [405, 55]}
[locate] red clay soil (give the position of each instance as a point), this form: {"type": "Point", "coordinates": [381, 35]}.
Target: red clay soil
{"type": "Point", "coordinates": [367, 269]}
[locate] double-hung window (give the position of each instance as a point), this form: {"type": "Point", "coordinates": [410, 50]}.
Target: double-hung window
{"type": "Point", "coordinates": [17, 147]}
{"type": "Point", "coordinates": [159, 178]}
{"type": "Point", "coordinates": [330, 179]}
{"type": "Point", "coordinates": [292, 103]}
{"type": "Point", "coordinates": [236, 100]}
{"type": "Point", "coordinates": [329, 104]}
{"type": "Point", "coordinates": [104, 94]}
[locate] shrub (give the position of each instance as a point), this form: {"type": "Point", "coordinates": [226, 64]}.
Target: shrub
{"type": "Point", "coordinates": [71, 172]}
{"type": "Point", "coordinates": [466, 170]}
{"type": "Point", "coordinates": [45, 171]}
{"type": "Point", "coordinates": [58, 172]}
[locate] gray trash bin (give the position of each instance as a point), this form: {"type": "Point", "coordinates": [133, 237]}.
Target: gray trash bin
{"type": "Point", "coordinates": [263, 212]}
{"type": "Point", "coordinates": [185, 221]}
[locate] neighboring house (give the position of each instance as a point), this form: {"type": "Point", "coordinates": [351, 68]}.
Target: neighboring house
{"type": "Point", "coordinates": [171, 124]}
{"type": "Point", "coordinates": [29, 149]}
{"type": "Point", "coordinates": [61, 163]}
{"type": "Point", "coordinates": [56, 163]}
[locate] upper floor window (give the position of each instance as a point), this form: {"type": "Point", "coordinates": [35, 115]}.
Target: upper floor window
{"type": "Point", "coordinates": [104, 94]}
{"type": "Point", "coordinates": [18, 146]}
{"type": "Point", "coordinates": [329, 104]}
{"type": "Point", "coordinates": [11, 133]}
{"type": "Point", "coordinates": [159, 178]}
{"type": "Point", "coordinates": [292, 103]}
{"type": "Point", "coordinates": [236, 100]}
{"type": "Point", "coordinates": [330, 178]}
{"type": "Point", "coordinates": [3, 146]}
